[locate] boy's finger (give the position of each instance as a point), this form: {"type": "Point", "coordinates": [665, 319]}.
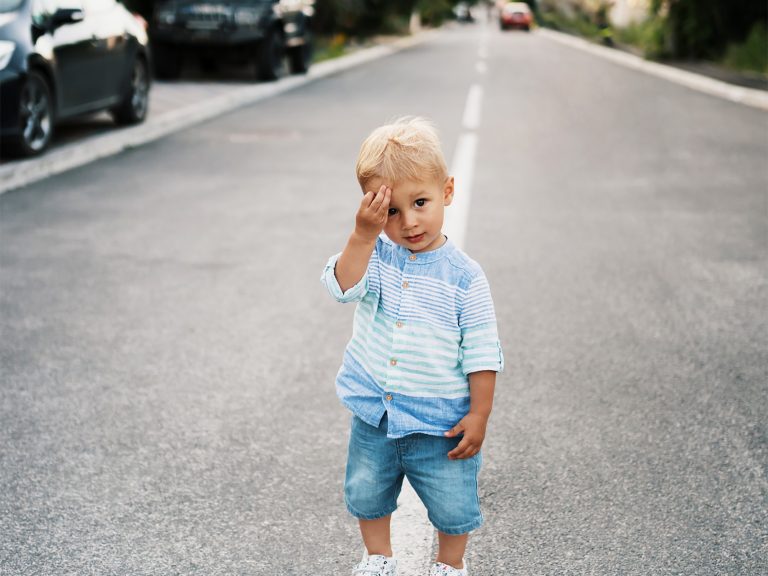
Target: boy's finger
{"type": "Point", "coordinates": [367, 198]}
{"type": "Point", "coordinates": [384, 206]}
{"type": "Point", "coordinates": [459, 451]}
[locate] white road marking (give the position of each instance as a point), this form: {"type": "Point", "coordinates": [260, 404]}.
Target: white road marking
{"type": "Point", "coordinates": [462, 170]}
{"type": "Point", "coordinates": [481, 66]}
{"type": "Point", "coordinates": [412, 534]}
{"type": "Point", "coordinates": [473, 107]}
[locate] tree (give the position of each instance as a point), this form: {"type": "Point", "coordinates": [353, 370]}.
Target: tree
{"type": "Point", "coordinates": [704, 28]}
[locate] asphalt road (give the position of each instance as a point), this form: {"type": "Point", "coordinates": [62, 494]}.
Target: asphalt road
{"type": "Point", "coordinates": [168, 352]}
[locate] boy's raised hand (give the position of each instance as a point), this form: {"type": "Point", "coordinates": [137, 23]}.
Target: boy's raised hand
{"type": "Point", "coordinates": [373, 212]}
{"type": "Point", "coordinates": [473, 426]}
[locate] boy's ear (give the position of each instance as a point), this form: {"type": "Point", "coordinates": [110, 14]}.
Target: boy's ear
{"type": "Point", "coordinates": [448, 191]}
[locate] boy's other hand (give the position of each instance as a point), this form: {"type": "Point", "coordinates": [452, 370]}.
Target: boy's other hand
{"type": "Point", "coordinates": [373, 213]}
{"type": "Point", "coordinates": [473, 426]}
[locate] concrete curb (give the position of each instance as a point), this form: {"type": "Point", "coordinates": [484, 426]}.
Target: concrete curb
{"type": "Point", "coordinates": [741, 95]}
{"type": "Point", "coordinates": [24, 172]}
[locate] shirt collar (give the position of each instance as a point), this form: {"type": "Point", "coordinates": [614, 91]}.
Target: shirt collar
{"type": "Point", "coordinates": [447, 248]}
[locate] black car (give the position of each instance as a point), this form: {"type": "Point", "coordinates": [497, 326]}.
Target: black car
{"type": "Point", "coordinates": [64, 58]}
{"type": "Point", "coordinates": [263, 32]}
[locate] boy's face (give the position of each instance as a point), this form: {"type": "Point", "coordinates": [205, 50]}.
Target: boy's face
{"type": "Point", "coordinates": [416, 211]}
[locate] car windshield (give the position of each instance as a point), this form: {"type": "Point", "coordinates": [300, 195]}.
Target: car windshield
{"type": "Point", "coordinates": [10, 5]}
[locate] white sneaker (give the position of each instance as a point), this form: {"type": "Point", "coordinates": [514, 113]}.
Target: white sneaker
{"type": "Point", "coordinates": [440, 569]}
{"type": "Point", "coordinates": [376, 565]}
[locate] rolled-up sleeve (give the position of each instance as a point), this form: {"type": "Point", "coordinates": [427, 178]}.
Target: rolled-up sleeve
{"type": "Point", "coordinates": [480, 346]}
{"type": "Point", "coordinates": [353, 294]}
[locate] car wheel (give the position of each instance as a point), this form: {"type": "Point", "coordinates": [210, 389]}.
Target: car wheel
{"type": "Point", "coordinates": [35, 118]}
{"type": "Point", "coordinates": [133, 108]}
{"type": "Point", "coordinates": [168, 62]}
{"type": "Point", "coordinates": [270, 56]}
{"type": "Point", "coordinates": [300, 57]}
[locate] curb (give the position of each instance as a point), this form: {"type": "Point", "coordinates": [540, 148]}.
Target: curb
{"type": "Point", "coordinates": [746, 96]}
{"type": "Point", "coordinates": [24, 172]}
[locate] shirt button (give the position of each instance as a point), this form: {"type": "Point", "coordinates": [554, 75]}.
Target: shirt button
{"type": "Point", "coordinates": [393, 362]}
{"type": "Point", "coordinates": [399, 324]}
{"type": "Point", "coordinates": [412, 257]}
{"type": "Point", "coordinates": [389, 397]}
{"type": "Point", "coordinates": [405, 284]}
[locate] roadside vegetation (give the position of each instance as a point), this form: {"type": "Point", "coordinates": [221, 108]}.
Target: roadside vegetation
{"type": "Point", "coordinates": [341, 25]}
{"type": "Point", "coordinates": [729, 33]}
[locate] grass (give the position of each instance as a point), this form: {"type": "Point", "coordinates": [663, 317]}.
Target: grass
{"type": "Point", "coordinates": [580, 25]}
{"type": "Point", "coordinates": [750, 55]}
{"type": "Point", "coordinates": [648, 37]}
{"type": "Point", "coordinates": [328, 47]}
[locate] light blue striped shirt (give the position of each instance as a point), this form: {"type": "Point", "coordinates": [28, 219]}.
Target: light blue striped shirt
{"type": "Point", "coordinates": [423, 322]}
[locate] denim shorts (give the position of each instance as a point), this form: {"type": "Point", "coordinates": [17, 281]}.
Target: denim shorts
{"type": "Point", "coordinates": [376, 466]}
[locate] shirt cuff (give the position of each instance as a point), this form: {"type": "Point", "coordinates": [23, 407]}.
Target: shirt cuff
{"type": "Point", "coordinates": [353, 294]}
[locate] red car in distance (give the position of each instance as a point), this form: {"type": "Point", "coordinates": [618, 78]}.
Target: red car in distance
{"type": "Point", "coordinates": [516, 15]}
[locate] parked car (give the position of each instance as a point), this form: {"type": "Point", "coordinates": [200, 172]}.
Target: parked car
{"type": "Point", "coordinates": [516, 15]}
{"type": "Point", "coordinates": [65, 58]}
{"type": "Point", "coordinates": [263, 32]}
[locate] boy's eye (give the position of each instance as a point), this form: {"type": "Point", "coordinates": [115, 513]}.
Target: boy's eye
{"type": "Point", "coordinates": [420, 202]}
{"type": "Point", "coordinates": [392, 211]}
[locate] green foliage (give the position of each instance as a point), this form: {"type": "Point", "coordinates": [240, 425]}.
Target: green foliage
{"type": "Point", "coordinates": [327, 47]}
{"type": "Point", "coordinates": [752, 54]}
{"type": "Point", "coordinates": [581, 24]}
{"type": "Point", "coordinates": [705, 28]}
{"type": "Point", "coordinates": [361, 17]}
{"type": "Point", "coordinates": [434, 12]}
{"type": "Point", "coordinates": [648, 36]}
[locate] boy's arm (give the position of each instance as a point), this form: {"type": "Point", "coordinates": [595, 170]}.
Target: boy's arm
{"type": "Point", "coordinates": [369, 222]}
{"type": "Point", "coordinates": [473, 425]}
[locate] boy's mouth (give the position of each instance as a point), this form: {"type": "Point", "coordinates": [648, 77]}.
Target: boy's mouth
{"type": "Point", "coordinates": [415, 239]}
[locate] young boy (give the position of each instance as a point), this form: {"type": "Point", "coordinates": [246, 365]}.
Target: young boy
{"type": "Point", "coordinates": [420, 369]}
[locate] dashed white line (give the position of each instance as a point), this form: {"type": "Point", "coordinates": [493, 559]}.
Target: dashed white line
{"type": "Point", "coordinates": [473, 107]}
{"type": "Point", "coordinates": [412, 534]}
{"type": "Point", "coordinates": [462, 169]}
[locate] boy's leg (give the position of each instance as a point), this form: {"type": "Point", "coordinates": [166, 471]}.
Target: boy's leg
{"type": "Point", "coordinates": [451, 550]}
{"type": "Point", "coordinates": [376, 535]}
{"type": "Point", "coordinates": [372, 484]}
{"type": "Point", "coordinates": [448, 489]}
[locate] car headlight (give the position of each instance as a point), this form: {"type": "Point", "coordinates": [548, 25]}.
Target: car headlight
{"type": "Point", "coordinates": [6, 51]}
{"type": "Point", "coordinates": [247, 16]}
{"type": "Point", "coordinates": [167, 17]}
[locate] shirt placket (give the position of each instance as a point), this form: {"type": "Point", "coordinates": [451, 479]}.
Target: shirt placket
{"type": "Point", "coordinates": [393, 369]}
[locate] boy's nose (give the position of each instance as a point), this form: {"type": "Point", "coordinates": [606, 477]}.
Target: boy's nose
{"type": "Point", "coordinates": [409, 222]}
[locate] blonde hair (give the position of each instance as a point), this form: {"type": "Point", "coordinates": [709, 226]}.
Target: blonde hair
{"type": "Point", "coordinates": [406, 149]}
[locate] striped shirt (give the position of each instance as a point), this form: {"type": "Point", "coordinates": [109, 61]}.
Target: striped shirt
{"type": "Point", "coordinates": [423, 322]}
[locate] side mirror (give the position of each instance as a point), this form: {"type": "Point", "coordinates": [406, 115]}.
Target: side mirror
{"type": "Point", "coordinates": [64, 16]}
